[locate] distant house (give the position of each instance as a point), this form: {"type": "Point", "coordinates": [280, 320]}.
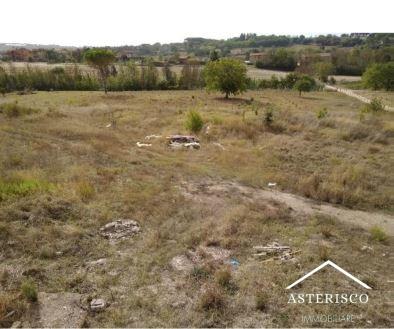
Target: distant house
{"type": "Point", "coordinates": [258, 57]}
{"type": "Point", "coordinates": [359, 35]}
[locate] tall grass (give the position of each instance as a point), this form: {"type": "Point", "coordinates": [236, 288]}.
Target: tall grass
{"type": "Point", "coordinates": [123, 77]}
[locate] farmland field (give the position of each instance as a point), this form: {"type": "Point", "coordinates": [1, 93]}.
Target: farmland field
{"type": "Point", "coordinates": [70, 164]}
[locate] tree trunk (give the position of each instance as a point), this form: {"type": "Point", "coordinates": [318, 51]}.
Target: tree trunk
{"type": "Point", "coordinates": [226, 97]}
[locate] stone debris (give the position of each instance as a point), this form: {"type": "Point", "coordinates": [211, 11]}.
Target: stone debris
{"type": "Point", "coordinates": [274, 251]}
{"type": "Point", "coordinates": [183, 141]}
{"type": "Point", "coordinates": [60, 310]}
{"type": "Point", "coordinates": [98, 262]}
{"type": "Point", "coordinates": [202, 255]}
{"type": "Point", "coordinates": [182, 263]}
{"type": "Point", "coordinates": [366, 248]}
{"type": "Point", "coordinates": [143, 144]}
{"type": "Point", "coordinates": [97, 304]}
{"type": "Point", "coordinates": [120, 229]}
{"type": "Point", "coordinates": [271, 184]}
{"type": "Point", "coordinates": [152, 137]}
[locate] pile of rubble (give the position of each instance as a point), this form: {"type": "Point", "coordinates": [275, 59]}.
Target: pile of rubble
{"type": "Point", "coordinates": [274, 251]}
{"type": "Point", "coordinates": [183, 141]}
{"type": "Point", "coordinates": [201, 256]}
{"type": "Point", "coordinates": [120, 229]}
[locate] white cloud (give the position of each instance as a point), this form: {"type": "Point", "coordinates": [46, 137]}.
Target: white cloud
{"type": "Point", "coordinates": [119, 22]}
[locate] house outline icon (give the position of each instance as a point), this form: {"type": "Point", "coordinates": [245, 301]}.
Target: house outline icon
{"type": "Point", "coordinates": [340, 269]}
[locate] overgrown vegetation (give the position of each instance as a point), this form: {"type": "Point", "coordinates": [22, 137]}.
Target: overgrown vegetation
{"type": "Point", "coordinates": [194, 122]}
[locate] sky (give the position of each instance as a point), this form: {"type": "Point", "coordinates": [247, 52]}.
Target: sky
{"type": "Point", "coordinates": [122, 22]}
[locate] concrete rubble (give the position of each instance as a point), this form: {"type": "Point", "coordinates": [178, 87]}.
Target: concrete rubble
{"type": "Point", "coordinates": [183, 141]}
{"type": "Point", "coordinates": [120, 229]}
{"type": "Point", "coordinates": [274, 251]}
{"type": "Point", "coordinates": [139, 144]}
{"type": "Point", "coordinates": [97, 304]}
{"type": "Point", "coordinates": [202, 255]}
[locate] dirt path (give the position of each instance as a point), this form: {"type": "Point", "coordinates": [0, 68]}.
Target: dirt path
{"type": "Point", "coordinates": [351, 93]}
{"type": "Point", "coordinates": [301, 205]}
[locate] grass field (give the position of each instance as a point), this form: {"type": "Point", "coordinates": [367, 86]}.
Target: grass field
{"type": "Point", "coordinates": [64, 175]}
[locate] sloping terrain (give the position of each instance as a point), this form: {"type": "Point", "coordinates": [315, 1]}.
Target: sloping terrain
{"type": "Point", "coordinates": [153, 236]}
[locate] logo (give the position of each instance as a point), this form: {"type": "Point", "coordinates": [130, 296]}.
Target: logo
{"type": "Point", "coordinates": [338, 268]}
{"type": "Point", "coordinates": [328, 298]}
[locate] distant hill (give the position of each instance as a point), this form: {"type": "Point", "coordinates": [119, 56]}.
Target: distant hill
{"type": "Point", "coordinates": [30, 46]}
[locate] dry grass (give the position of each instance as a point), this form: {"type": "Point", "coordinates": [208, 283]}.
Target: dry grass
{"type": "Point", "coordinates": [86, 175]}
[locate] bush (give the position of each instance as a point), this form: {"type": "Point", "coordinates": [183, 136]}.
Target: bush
{"type": "Point", "coordinates": [29, 290]}
{"type": "Point", "coordinates": [194, 121]}
{"type": "Point", "coordinates": [376, 105]}
{"type": "Point", "coordinates": [322, 113]}
{"type": "Point", "coordinates": [379, 76]}
{"type": "Point", "coordinates": [269, 116]}
{"type": "Point", "coordinates": [377, 234]}
{"type": "Point", "coordinates": [261, 301]}
{"type": "Point", "coordinates": [200, 273]}
{"type": "Point", "coordinates": [212, 299]}
{"type": "Point", "coordinates": [85, 190]}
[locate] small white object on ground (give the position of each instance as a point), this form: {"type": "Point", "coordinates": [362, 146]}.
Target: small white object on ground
{"type": "Point", "coordinates": [97, 304]}
{"type": "Point", "coordinates": [152, 136]}
{"type": "Point", "coordinates": [143, 144]}
{"type": "Point", "coordinates": [271, 184]}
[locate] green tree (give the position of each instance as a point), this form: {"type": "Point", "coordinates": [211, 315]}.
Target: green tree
{"type": "Point", "coordinates": [323, 70]}
{"type": "Point", "coordinates": [304, 84]}
{"type": "Point", "coordinates": [214, 55]}
{"type": "Point", "coordinates": [101, 60]}
{"type": "Point", "coordinates": [226, 75]}
{"type": "Point", "coordinates": [379, 76]}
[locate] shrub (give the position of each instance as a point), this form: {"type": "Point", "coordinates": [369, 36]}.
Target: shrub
{"type": "Point", "coordinates": [194, 121]}
{"type": "Point", "coordinates": [200, 273]}
{"type": "Point", "coordinates": [376, 105]}
{"type": "Point", "coordinates": [212, 299]}
{"type": "Point", "coordinates": [269, 116]}
{"type": "Point", "coordinates": [29, 290]}
{"type": "Point", "coordinates": [377, 234]}
{"type": "Point", "coordinates": [322, 113]}
{"type": "Point", "coordinates": [261, 301]}
{"type": "Point", "coordinates": [85, 190]}
{"type": "Point", "coordinates": [379, 76]}
{"type": "Point", "coordinates": [223, 277]}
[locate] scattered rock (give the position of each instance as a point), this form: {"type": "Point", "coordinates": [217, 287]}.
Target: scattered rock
{"type": "Point", "coordinates": [182, 263]}
{"type": "Point", "coordinates": [183, 141]}
{"type": "Point", "coordinates": [60, 310]}
{"type": "Point", "coordinates": [275, 251]}
{"type": "Point", "coordinates": [143, 144]}
{"type": "Point", "coordinates": [98, 262]}
{"type": "Point", "coordinates": [120, 229]}
{"type": "Point", "coordinates": [203, 255]}
{"type": "Point", "coordinates": [97, 305]}
{"type": "Point", "coordinates": [271, 184]}
{"type": "Point", "coordinates": [366, 248]}
{"type": "Point", "coordinates": [152, 137]}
